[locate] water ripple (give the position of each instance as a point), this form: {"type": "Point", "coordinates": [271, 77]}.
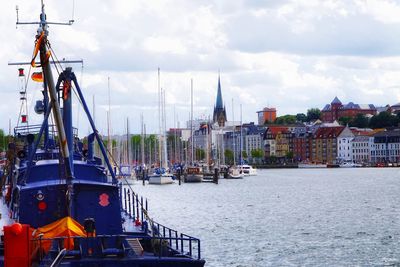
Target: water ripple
{"type": "Point", "coordinates": [331, 217]}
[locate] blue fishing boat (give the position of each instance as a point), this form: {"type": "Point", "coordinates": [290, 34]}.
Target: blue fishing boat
{"type": "Point", "coordinates": [61, 206]}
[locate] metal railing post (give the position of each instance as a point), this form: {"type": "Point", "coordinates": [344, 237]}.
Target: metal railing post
{"type": "Point", "coordinates": [129, 203]}
{"type": "Point", "coordinates": [125, 199]}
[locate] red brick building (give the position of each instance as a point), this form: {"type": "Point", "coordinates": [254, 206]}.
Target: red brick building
{"type": "Point", "coordinates": [336, 110]}
{"type": "Point", "coordinates": [302, 144]}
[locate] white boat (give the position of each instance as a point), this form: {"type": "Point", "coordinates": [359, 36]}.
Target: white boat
{"type": "Point", "coordinates": [235, 173]}
{"type": "Point", "coordinates": [194, 174]}
{"type": "Point", "coordinates": [165, 178]}
{"type": "Point", "coordinates": [312, 165]}
{"type": "Point", "coordinates": [248, 170]}
{"type": "Point", "coordinates": [349, 165]}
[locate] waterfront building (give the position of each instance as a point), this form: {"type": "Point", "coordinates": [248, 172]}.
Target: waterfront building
{"type": "Point", "coordinates": [386, 147]}
{"type": "Point", "coordinates": [266, 115]}
{"type": "Point", "coordinates": [232, 142]}
{"type": "Point", "coordinates": [344, 145]}
{"type": "Point", "coordinates": [253, 138]}
{"type": "Point", "coordinates": [277, 140]}
{"type": "Point", "coordinates": [200, 137]}
{"type": "Point", "coordinates": [302, 143]}
{"type": "Point", "coordinates": [335, 110]}
{"type": "Point", "coordinates": [324, 144]}
{"type": "Point", "coordinates": [361, 148]}
{"type": "Point", "coordinates": [219, 114]}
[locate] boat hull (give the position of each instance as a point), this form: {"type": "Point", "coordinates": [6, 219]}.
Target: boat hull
{"type": "Point", "coordinates": [160, 180]}
{"type": "Point", "coordinates": [194, 178]}
{"type": "Point", "coordinates": [311, 166]}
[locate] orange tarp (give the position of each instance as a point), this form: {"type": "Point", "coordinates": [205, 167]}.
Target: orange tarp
{"type": "Point", "coordinates": [65, 227]}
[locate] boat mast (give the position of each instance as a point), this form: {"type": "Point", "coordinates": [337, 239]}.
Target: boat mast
{"type": "Point", "coordinates": [41, 46]}
{"type": "Point", "coordinates": [165, 162]}
{"type": "Point", "coordinates": [159, 120]}
{"type": "Point", "coordinates": [142, 139]}
{"type": "Point", "coordinates": [109, 119]}
{"type": "Point", "coordinates": [208, 145]}
{"type": "Point", "coordinates": [241, 137]}
{"type": "Point", "coordinates": [191, 120]}
{"type": "Point", "coordinates": [43, 29]}
{"type": "Point", "coordinates": [233, 135]}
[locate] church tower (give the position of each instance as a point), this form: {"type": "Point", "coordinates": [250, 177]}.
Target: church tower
{"type": "Point", "coordinates": [219, 115]}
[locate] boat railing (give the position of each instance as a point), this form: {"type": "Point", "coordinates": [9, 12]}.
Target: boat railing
{"type": "Point", "coordinates": [53, 250]}
{"type": "Point", "coordinates": [35, 129]}
{"type": "Point", "coordinates": [136, 208]}
{"type": "Point", "coordinates": [132, 205]}
{"type": "Point", "coordinates": [191, 247]}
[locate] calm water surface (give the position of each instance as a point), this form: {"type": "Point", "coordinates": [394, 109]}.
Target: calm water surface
{"type": "Point", "coordinates": [293, 217]}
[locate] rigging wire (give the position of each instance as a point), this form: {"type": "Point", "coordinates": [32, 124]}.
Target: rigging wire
{"type": "Point", "coordinates": [55, 59]}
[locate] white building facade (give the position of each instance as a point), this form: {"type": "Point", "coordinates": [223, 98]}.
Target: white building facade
{"type": "Point", "coordinates": [344, 145]}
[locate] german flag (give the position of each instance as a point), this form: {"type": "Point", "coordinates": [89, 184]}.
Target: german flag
{"type": "Point", "coordinates": [37, 76]}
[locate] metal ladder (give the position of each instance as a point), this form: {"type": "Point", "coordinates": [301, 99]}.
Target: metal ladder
{"type": "Point", "coordinates": [134, 243]}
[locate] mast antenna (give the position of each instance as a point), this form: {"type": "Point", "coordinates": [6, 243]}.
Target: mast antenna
{"type": "Point", "coordinates": [43, 22]}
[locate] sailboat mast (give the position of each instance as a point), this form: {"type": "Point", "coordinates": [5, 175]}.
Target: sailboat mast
{"type": "Point", "coordinates": [191, 120]}
{"type": "Point", "coordinates": [175, 158]}
{"type": "Point", "coordinates": [142, 139]}
{"type": "Point", "coordinates": [109, 119]}
{"type": "Point", "coordinates": [165, 163]}
{"type": "Point", "coordinates": [127, 142]}
{"type": "Point", "coordinates": [241, 137]}
{"type": "Point", "coordinates": [233, 135]}
{"type": "Point", "coordinates": [208, 144]}
{"type": "Point", "coordinates": [159, 120]}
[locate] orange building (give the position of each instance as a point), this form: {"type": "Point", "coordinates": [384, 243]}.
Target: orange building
{"type": "Point", "coordinates": [267, 114]}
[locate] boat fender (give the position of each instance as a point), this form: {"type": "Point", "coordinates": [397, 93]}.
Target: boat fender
{"type": "Point", "coordinates": [16, 228]}
{"type": "Point", "coordinates": [137, 222]}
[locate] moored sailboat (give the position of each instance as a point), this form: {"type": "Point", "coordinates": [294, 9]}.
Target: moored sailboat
{"type": "Point", "coordinates": [162, 174]}
{"type": "Point", "coordinates": [193, 173]}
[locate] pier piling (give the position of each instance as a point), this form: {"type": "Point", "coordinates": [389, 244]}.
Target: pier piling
{"type": "Point", "coordinates": [216, 175]}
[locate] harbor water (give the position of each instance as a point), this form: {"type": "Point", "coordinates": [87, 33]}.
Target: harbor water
{"type": "Point", "coordinates": [288, 217]}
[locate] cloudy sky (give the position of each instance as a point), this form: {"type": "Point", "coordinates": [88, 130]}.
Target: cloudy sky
{"type": "Point", "coordinates": [292, 55]}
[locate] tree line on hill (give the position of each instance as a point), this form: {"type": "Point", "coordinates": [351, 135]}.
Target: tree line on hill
{"type": "Point", "coordinates": [382, 120]}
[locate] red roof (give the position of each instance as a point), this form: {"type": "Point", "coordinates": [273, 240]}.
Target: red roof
{"type": "Point", "coordinates": [328, 132]}
{"type": "Point", "coordinates": [277, 129]}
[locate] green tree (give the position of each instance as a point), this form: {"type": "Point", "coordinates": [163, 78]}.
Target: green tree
{"type": "Point", "coordinates": [360, 121]}
{"type": "Point", "coordinates": [200, 154]}
{"type": "Point", "coordinates": [313, 114]}
{"type": "Point", "coordinates": [344, 120]}
{"type": "Point", "coordinates": [289, 155]}
{"type": "Point", "coordinates": [244, 154]}
{"type": "Point", "coordinates": [257, 154]}
{"type": "Point", "coordinates": [228, 156]}
{"type": "Point", "coordinates": [135, 139]}
{"type": "Point", "coordinates": [3, 141]}
{"type": "Point", "coordinates": [383, 119]}
{"type": "Point", "coordinates": [301, 117]}
{"type": "Point", "coordinates": [286, 119]}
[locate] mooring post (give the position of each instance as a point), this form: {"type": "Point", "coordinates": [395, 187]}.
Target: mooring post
{"type": "Point", "coordinates": [216, 175]}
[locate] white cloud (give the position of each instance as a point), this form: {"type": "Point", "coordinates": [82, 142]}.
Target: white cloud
{"type": "Point", "coordinates": [289, 54]}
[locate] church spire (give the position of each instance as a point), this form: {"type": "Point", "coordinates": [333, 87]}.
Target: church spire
{"type": "Point", "coordinates": [219, 115]}
{"type": "Point", "coordinates": [219, 103]}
